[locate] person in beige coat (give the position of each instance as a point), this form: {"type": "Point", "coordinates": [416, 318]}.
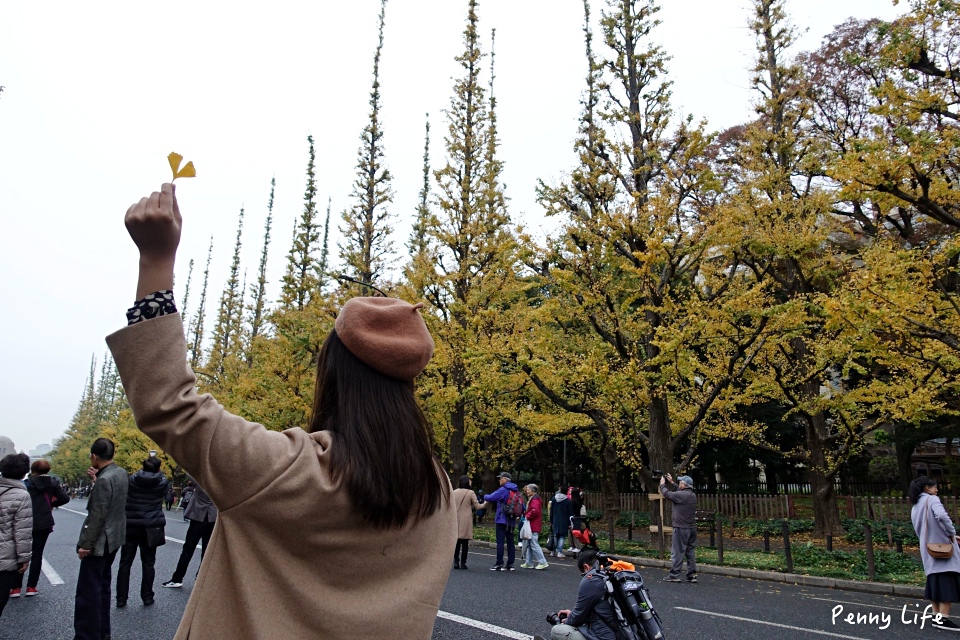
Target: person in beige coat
{"type": "Point", "coordinates": [342, 529]}
{"type": "Point", "coordinates": [465, 502]}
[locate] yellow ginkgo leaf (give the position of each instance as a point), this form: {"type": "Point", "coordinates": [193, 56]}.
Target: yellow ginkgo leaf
{"type": "Point", "coordinates": [175, 159]}
{"type": "Point", "coordinates": [188, 171]}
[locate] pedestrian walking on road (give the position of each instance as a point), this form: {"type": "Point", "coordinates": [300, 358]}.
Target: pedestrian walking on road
{"type": "Point", "coordinates": [933, 526]}
{"type": "Point", "coordinates": [202, 514]}
{"type": "Point", "coordinates": [168, 499]}
{"type": "Point", "coordinates": [146, 491]}
{"type": "Point", "coordinates": [45, 494]}
{"type": "Point", "coordinates": [103, 533]}
{"type": "Point", "coordinates": [466, 503]}
{"type": "Point", "coordinates": [341, 528]}
{"type": "Point", "coordinates": [684, 526]}
{"type": "Point", "coordinates": [533, 554]}
{"type": "Point", "coordinates": [16, 523]}
{"type": "Point", "coordinates": [560, 512]}
{"type": "Point", "coordinates": [505, 523]}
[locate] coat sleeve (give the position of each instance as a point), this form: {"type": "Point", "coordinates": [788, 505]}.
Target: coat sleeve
{"type": "Point", "coordinates": [672, 496]}
{"type": "Point", "coordinates": [231, 458]}
{"type": "Point", "coordinates": [942, 517]}
{"type": "Point", "coordinates": [23, 529]}
{"type": "Point", "coordinates": [98, 509]}
{"type": "Point", "coordinates": [497, 496]}
{"type": "Point", "coordinates": [589, 594]}
{"type": "Point", "coordinates": [60, 496]}
{"type": "Point", "coordinates": [533, 509]}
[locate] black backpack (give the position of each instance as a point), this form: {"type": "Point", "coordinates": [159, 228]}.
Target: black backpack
{"type": "Point", "coordinates": [631, 602]}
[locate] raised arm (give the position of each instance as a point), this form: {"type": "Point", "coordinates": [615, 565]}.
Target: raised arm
{"type": "Point", "coordinates": [230, 457]}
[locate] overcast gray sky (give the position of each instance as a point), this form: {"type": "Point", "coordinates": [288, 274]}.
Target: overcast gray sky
{"type": "Point", "coordinates": [98, 93]}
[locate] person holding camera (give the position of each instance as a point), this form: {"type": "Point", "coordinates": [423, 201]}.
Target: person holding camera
{"type": "Point", "coordinates": [684, 526]}
{"type": "Point", "coordinates": [592, 617]}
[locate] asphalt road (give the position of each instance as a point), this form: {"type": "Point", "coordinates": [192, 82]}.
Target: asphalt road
{"type": "Point", "coordinates": [484, 605]}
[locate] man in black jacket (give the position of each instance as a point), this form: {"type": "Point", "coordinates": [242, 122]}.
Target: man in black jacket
{"type": "Point", "coordinates": [45, 494]}
{"type": "Point", "coordinates": [145, 522]}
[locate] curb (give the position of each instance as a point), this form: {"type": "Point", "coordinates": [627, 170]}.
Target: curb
{"type": "Point", "coordinates": [863, 586]}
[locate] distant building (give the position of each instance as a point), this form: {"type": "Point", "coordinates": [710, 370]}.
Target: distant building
{"type": "Point", "coordinates": [6, 446]}
{"type": "Point", "coordinates": [42, 451]}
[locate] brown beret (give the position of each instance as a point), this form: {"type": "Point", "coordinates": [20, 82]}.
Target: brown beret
{"type": "Point", "coordinates": [387, 334]}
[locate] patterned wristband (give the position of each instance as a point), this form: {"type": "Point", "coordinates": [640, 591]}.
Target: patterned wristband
{"type": "Point", "coordinates": [151, 306]}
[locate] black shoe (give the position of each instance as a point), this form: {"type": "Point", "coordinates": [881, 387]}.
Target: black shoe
{"type": "Point", "coordinates": [121, 604]}
{"type": "Point", "coordinates": [148, 602]}
{"type": "Point", "coordinates": [509, 568]}
{"type": "Point", "coordinates": [692, 579]}
{"type": "Point", "coordinates": [463, 566]}
{"type": "Point", "coordinates": [496, 567]}
{"type": "Point", "coordinates": [456, 565]}
{"type": "Point", "coordinates": [947, 625]}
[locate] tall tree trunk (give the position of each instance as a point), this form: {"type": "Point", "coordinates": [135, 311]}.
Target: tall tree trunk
{"type": "Point", "coordinates": [826, 518]}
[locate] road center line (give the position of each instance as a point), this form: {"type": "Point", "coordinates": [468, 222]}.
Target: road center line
{"type": "Point", "coordinates": [52, 575]}
{"type": "Point", "coordinates": [492, 628]}
{"type": "Point", "coordinates": [83, 513]}
{"type": "Point", "coordinates": [772, 624]}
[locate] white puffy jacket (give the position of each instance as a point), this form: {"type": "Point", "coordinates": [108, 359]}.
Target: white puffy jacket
{"type": "Point", "coordinates": [16, 524]}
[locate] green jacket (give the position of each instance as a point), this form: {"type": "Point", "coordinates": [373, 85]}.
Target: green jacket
{"type": "Point", "coordinates": [105, 529]}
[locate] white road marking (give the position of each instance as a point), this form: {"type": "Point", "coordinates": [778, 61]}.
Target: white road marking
{"type": "Point", "coordinates": [492, 628]}
{"type": "Point", "coordinates": [773, 624]}
{"type": "Point", "coordinates": [52, 575]}
{"type": "Point", "coordinates": [177, 540]}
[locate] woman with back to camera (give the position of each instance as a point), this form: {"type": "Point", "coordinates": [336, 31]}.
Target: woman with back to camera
{"type": "Point", "coordinates": [466, 503]}
{"type": "Point", "coordinates": [342, 530]}
{"type": "Point", "coordinates": [933, 526]}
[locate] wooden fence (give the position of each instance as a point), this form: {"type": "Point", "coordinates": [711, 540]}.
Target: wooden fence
{"type": "Point", "coordinates": [781, 506]}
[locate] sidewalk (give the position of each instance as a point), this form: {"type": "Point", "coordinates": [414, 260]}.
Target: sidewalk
{"type": "Point", "coordinates": [864, 586]}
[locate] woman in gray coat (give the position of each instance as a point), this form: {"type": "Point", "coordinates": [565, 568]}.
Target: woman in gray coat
{"type": "Point", "coordinates": [16, 523]}
{"type": "Point", "coordinates": [933, 525]}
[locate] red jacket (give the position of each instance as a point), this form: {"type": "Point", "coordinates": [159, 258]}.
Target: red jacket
{"type": "Point", "coordinates": [534, 513]}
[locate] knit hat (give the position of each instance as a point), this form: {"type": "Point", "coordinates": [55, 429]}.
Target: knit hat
{"type": "Point", "coordinates": [387, 334]}
{"type": "Point", "coordinates": [687, 480]}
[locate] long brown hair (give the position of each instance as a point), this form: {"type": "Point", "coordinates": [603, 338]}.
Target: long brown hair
{"type": "Point", "coordinates": [382, 443]}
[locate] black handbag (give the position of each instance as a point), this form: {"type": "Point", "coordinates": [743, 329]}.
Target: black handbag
{"type": "Point", "coordinates": [155, 537]}
{"type": "Point", "coordinates": [552, 542]}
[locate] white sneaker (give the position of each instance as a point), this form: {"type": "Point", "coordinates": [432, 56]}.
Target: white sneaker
{"type": "Point", "coordinates": [170, 584]}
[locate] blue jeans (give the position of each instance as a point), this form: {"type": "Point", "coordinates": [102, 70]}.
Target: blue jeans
{"type": "Point", "coordinates": [505, 538]}
{"type": "Point", "coordinates": [534, 554]}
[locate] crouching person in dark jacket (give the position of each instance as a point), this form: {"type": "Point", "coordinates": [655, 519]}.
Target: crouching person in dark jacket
{"type": "Point", "coordinates": [592, 617]}
{"type": "Point", "coordinates": [145, 522]}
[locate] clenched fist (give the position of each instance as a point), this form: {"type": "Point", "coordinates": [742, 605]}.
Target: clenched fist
{"type": "Point", "coordinates": [154, 225]}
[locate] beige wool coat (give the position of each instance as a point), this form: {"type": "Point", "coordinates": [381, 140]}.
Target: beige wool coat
{"type": "Point", "coordinates": [465, 502]}
{"type": "Point", "coordinates": [289, 558]}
